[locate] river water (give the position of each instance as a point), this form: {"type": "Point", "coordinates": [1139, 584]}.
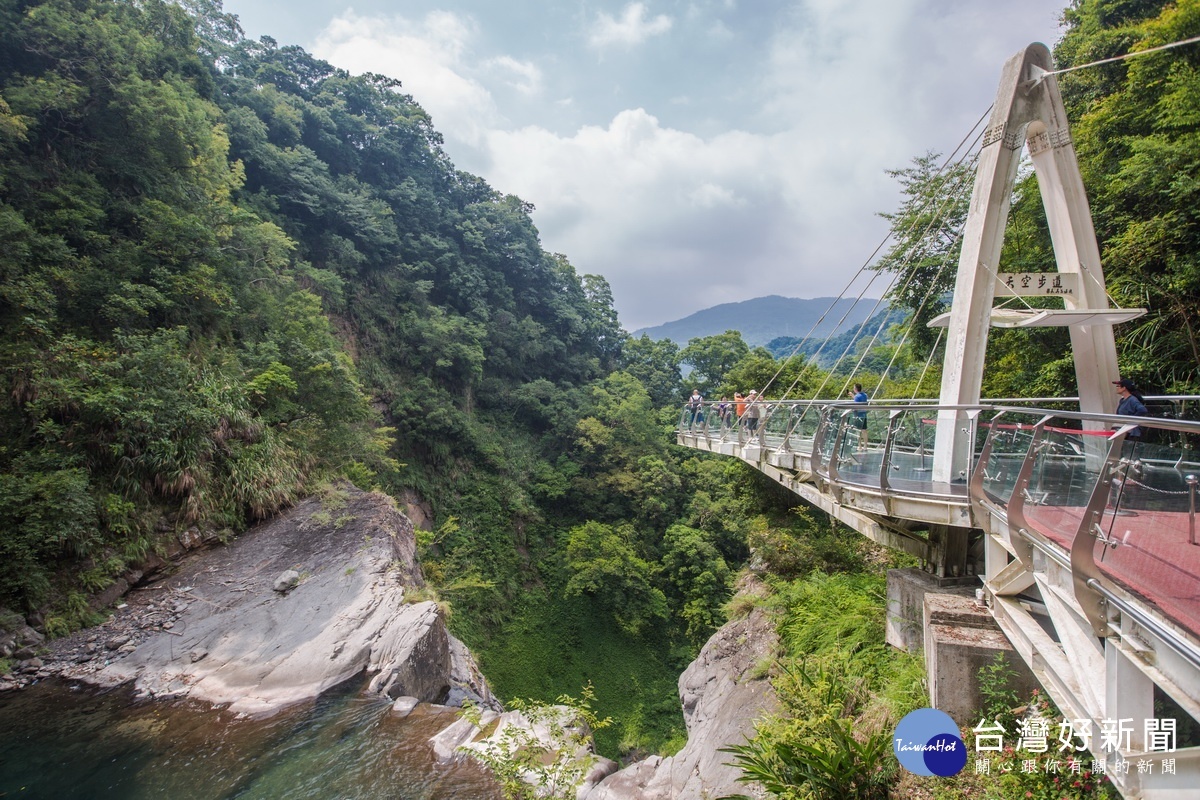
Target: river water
{"type": "Point", "coordinates": [64, 742]}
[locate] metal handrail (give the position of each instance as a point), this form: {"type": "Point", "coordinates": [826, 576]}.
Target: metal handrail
{"type": "Point", "coordinates": [1093, 586]}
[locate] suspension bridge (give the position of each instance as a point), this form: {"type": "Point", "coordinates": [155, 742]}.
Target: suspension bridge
{"type": "Point", "coordinates": [1072, 530]}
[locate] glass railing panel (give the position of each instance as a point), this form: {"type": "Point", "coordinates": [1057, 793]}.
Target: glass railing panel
{"type": "Point", "coordinates": [692, 418]}
{"type": "Point", "coordinates": [982, 431]}
{"type": "Point", "coordinates": [1147, 540]}
{"type": "Point", "coordinates": [805, 419]}
{"type": "Point", "coordinates": [860, 454]}
{"type": "Point", "coordinates": [774, 424]}
{"type": "Point", "coordinates": [1066, 465]}
{"type": "Point", "coordinates": [719, 419]}
{"type": "Point", "coordinates": [1011, 437]}
{"type": "Point", "coordinates": [707, 419]}
{"type": "Point", "coordinates": [823, 439]}
{"type": "Point", "coordinates": [912, 447]}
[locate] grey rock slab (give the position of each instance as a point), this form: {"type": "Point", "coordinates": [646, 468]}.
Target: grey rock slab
{"type": "Point", "coordinates": [404, 706]}
{"type": "Point", "coordinates": [264, 650]}
{"type": "Point", "coordinates": [447, 745]}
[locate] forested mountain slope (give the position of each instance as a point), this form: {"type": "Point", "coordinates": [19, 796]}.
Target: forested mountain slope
{"type": "Point", "coordinates": [232, 272]}
{"type": "Point", "coordinates": [763, 319]}
{"type": "Point", "coordinates": [197, 255]}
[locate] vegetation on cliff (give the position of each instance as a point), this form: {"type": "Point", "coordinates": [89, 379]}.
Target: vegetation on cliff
{"type": "Point", "coordinates": [232, 271]}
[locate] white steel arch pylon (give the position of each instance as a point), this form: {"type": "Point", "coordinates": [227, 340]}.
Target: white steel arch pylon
{"type": "Point", "coordinates": [1028, 111]}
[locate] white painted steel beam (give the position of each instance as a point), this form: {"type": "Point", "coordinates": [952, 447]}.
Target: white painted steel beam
{"type": "Point", "coordinates": [1028, 109]}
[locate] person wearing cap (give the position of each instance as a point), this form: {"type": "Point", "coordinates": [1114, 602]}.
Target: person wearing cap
{"type": "Point", "coordinates": [1130, 404]}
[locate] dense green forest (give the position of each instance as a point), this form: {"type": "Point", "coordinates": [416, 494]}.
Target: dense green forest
{"type": "Point", "coordinates": [233, 273]}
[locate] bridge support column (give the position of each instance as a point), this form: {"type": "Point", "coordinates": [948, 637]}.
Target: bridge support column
{"type": "Point", "coordinates": [1129, 695]}
{"type": "Point", "coordinates": [950, 547]}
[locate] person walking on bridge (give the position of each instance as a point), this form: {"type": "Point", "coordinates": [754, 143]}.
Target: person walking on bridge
{"type": "Point", "coordinates": [724, 409]}
{"type": "Point", "coordinates": [859, 418]}
{"type": "Point", "coordinates": [695, 408]}
{"type": "Point", "coordinates": [1131, 403]}
{"type": "Point", "coordinates": [1125, 484]}
{"type": "Point", "coordinates": [753, 412]}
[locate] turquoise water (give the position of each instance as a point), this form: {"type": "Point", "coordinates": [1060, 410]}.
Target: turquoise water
{"type": "Point", "coordinates": [63, 742]}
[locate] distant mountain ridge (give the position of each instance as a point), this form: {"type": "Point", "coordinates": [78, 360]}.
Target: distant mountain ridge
{"type": "Point", "coordinates": [763, 319]}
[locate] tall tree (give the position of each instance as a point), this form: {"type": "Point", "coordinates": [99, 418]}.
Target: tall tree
{"type": "Point", "coordinates": [711, 357]}
{"type": "Point", "coordinates": [926, 234]}
{"type": "Point", "coordinates": [1136, 127]}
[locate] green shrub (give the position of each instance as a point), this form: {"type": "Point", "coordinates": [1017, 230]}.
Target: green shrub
{"type": "Point", "coordinates": [837, 764]}
{"type": "Point", "coordinates": [840, 688]}
{"type": "Point", "coordinates": [528, 768]}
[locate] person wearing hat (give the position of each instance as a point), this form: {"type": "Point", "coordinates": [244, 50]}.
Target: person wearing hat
{"type": "Point", "coordinates": [1130, 404]}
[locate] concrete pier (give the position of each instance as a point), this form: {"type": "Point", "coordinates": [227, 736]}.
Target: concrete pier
{"type": "Point", "coordinates": [958, 637]}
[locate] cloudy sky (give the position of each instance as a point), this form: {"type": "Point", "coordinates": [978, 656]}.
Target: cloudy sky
{"type": "Point", "coordinates": [693, 152]}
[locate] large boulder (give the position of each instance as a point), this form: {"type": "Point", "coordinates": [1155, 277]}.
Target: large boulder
{"type": "Point", "coordinates": [15, 635]}
{"type": "Point", "coordinates": [240, 635]}
{"type": "Point", "coordinates": [723, 692]}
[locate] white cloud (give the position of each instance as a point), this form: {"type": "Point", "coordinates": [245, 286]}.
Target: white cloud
{"type": "Point", "coordinates": [710, 195]}
{"type": "Point", "coordinates": [675, 221]}
{"type": "Point", "coordinates": [631, 29]}
{"type": "Point", "coordinates": [678, 221]}
{"type": "Point", "coordinates": [430, 57]}
{"type": "Point", "coordinates": [526, 77]}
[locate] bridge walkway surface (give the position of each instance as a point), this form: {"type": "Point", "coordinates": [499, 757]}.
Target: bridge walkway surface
{"type": "Point", "coordinates": [1079, 530]}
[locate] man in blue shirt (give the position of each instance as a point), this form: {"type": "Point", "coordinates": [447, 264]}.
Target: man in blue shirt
{"type": "Point", "coordinates": [860, 417]}
{"type": "Point", "coordinates": [1130, 404]}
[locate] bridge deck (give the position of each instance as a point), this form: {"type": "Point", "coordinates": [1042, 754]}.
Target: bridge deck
{"type": "Point", "coordinates": [1091, 557]}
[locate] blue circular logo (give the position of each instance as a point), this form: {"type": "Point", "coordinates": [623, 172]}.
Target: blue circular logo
{"type": "Point", "coordinates": [928, 742]}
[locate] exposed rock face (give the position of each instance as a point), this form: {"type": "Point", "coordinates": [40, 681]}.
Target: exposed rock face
{"type": "Point", "coordinates": [16, 638]}
{"type": "Point", "coordinates": [722, 696]}
{"type": "Point", "coordinates": [219, 631]}
{"type": "Point", "coordinates": [235, 636]}
{"type": "Point", "coordinates": [723, 692]}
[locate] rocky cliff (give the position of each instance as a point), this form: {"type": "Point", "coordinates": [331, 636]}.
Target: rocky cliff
{"type": "Point", "coordinates": [723, 692]}
{"type": "Point", "coordinates": [321, 593]}
{"type": "Point", "coordinates": [293, 607]}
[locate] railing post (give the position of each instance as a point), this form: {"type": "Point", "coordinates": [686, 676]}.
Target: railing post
{"type": "Point", "coordinates": [836, 449]}
{"type": "Point", "coordinates": [886, 463]}
{"type": "Point", "coordinates": [976, 490]}
{"type": "Point", "coordinates": [1084, 569]}
{"type": "Point", "coordinates": [1191, 482]}
{"type": "Point", "coordinates": [1016, 502]}
{"type": "Point", "coordinates": [972, 435]}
